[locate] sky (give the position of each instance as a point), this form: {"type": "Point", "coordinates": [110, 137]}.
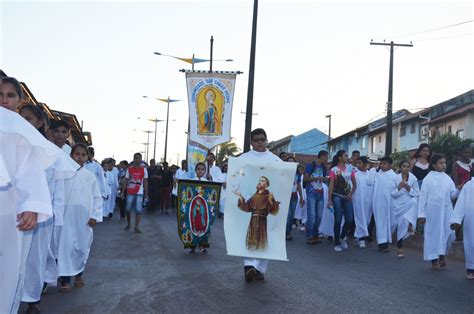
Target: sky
{"type": "Point", "coordinates": [95, 59]}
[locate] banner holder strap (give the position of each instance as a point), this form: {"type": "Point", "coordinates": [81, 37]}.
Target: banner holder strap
{"type": "Point", "coordinates": [207, 72]}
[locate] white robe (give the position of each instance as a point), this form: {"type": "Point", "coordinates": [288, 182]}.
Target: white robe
{"type": "Point", "coordinates": [405, 205]}
{"type": "Point", "coordinates": [259, 264]}
{"type": "Point", "coordinates": [24, 154]}
{"type": "Point", "coordinates": [464, 209]}
{"type": "Point", "coordinates": [435, 204]}
{"type": "Point", "coordinates": [384, 184]}
{"type": "Point", "coordinates": [362, 201]}
{"type": "Point", "coordinates": [83, 201]}
{"type": "Point", "coordinates": [327, 220]}
{"type": "Point", "coordinates": [300, 211]}
{"type": "Point", "coordinates": [216, 173]}
{"type": "Point", "coordinates": [223, 191]}
{"type": "Point", "coordinates": [98, 171]}
{"type": "Point", "coordinates": [40, 264]}
{"type": "Point", "coordinates": [180, 175]}
{"type": "Point", "coordinates": [112, 182]}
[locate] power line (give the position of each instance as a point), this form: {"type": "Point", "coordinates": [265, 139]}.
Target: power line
{"type": "Point", "coordinates": [432, 29]}
{"type": "Point", "coordinates": [445, 37]}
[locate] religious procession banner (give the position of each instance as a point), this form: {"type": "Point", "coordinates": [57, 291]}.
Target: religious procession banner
{"type": "Point", "coordinates": [196, 153]}
{"type": "Point", "coordinates": [198, 205]}
{"type": "Point", "coordinates": [256, 208]}
{"type": "Point", "coordinates": [210, 98]}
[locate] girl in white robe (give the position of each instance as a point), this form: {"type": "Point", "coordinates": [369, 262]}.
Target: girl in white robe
{"type": "Point", "coordinates": [40, 258]}
{"type": "Point", "coordinates": [435, 210]}
{"type": "Point", "coordinates": [464, 210]}
{"type": "Point", "coordinates": [300, 211]}
{"type": "Point", "coordinates": [384, 184]}
{"type": "Point", "coordinates": [83, 209]}
{"type": "Point", "coordinates": [362, 200]}
{"type": "Point", "coordinates": [24, 197]}
{"type": "Point", "coordinates": [405, 203]}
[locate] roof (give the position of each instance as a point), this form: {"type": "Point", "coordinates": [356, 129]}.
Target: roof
{"type": "Point", "coordinates": [71, 119]}
{"type": "Point", "coordinates": [280, 142]}
{"type": "Point", "coordinates": [458, 112]}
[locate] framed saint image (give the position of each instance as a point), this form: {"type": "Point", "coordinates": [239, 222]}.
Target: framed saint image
{"type": "Point", "coordinates": [198, 204]}
{"type": "Point", "coordinates": [257, 200]}
{"type": "Point", "coordinates": [210, 99]}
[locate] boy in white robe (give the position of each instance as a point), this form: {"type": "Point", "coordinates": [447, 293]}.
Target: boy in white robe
{"type": "Point", "coordinates": [254, 268]}
{"type": "Point", "coordinates": [464, 210]}
{"type": "Point", "coordinates": [83, 209]}
{"type": "Point", "coordinates": [435, 210]}
{"type": "Point", "coordinates": [362, 200]}
{"type": "Point", "coordinates": [24, 197]}
{"type": "Point", "coordinates": [405, 203]}
{"type": "Point", "coordinates": [384, 184]}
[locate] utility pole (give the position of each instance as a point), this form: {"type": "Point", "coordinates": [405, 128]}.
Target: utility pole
{"type": "Point", "coordinates": [388, 136]}
{"type": "Point", "coordinates": [248, 117]}
{"type": "Point", "coordinates": [329, 132]}
{"type": "Point", "coordinates": [212, 50]}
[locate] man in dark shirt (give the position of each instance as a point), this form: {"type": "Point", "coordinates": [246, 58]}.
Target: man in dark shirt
{"type": "Point", "coordinates": [153, 187]}
{"type": "Point", "coordinates": [165, 186]}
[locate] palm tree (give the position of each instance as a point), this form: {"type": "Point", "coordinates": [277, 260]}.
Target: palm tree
{"type": "Point", "coordinates": [226, 150]}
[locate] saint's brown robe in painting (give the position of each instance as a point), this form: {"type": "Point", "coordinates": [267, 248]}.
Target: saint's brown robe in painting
{"type": "Point", "coordinates": [260, 206]}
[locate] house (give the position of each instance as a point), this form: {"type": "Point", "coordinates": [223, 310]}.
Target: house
{"type": "Point", "coordinates": [77, 135]}
{"type": "Point", "coordinates": [281, 145]}
{"type": "Point", "coordinates": [409, 130]}
{"type": "Point", "coordinates": [309, 142]}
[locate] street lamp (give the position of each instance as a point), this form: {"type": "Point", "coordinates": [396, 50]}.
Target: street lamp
{"type": "Point", "coordinates": [147, 150]}
{"type": "Point", "coordinates": [168, 101]}
{"type": "Point", "coordinates": [329, 132]}
{"type": "Point", "coordinates": [156, 122]}
{"type": "Point", "coordinates": [193, 59]}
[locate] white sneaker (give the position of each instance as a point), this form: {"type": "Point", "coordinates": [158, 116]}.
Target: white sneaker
{"type": "Point", "coordinates": [338, 248]}
{"type": "Point", "coordinates": [344, 244]}
{"type": "Point", "coordinates": [362, 244]}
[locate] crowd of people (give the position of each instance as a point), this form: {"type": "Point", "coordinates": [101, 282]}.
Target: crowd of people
{"type": "Point", "coordinates": [55, 194]}
{"type": "Point", "coordinates": [365, 198]}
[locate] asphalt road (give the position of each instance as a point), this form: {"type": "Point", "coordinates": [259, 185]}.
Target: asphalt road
{"type": "Point", "coordinates": [150, 273]}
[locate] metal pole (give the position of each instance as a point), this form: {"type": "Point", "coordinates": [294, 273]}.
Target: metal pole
{"type": "Point", "coordinates": [154, 149]}
{"type": "Point", "coordinates": [248, 114]}
{"type": "Point", "coordinates": [166, 135]}
{"type": "Point", "coordinates": [388, 139]}
{"type": "Point", "coordinates": [329, 133]}
{"type": "Point", "coordinates": [147, 146]}
{"type": "Point", "coordinates": [212, 48]}
{"type": "Point", "coordinates": [192, 63]}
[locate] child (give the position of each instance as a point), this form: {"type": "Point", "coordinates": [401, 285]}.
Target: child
{"type": "Point", "coordinates": [83, 209]}
{"type": "Point", "coordinates": [203, 241]}
{"type": "Point", "coordinates": [362, 200]}
{"type": "Point", "coordinates": [405, 202]}
{"type": "Point", "coordinates": [435, 210]}
{"type": "Point", "coordinates": [384, 184]}
{"type": "Point", "coordinates": [464, 209]}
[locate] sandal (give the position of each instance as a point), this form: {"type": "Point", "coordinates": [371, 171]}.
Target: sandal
{"type": "Point", "coordinates": [435, 266]}
{"type": "Point", "coordinates": [470, 276]}
{"type": "Point", "coordinates": [79, 282]}
{"type": "Point", "coordinates": [64, 288]}
{"type": "Point", "coordinates": [400, 254]}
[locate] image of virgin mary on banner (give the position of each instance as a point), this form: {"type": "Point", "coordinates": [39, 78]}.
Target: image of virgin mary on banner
{"type": "Point", "coordinates": [198, 205]}
{"type": "Point", "coordinates": [256, 202]}
{"type": "Point", "coordinates": [210, 99]}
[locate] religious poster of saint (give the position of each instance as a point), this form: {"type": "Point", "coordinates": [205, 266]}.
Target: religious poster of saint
{"type": "Point", "coordinates": [257, 200]}
{"type": "Point", "coordinates": [196, 153]}
{"type": "Point", "coordinates": [210, 99]}
{"type": "Point", "coordinates": [198, 204]}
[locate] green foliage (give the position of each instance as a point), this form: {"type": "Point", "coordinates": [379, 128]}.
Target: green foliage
{"type": "Point", "coordinates": [399, 156]}
{"type": "Point", "coordinates": [225, 151]}
{"type": "Point", "coordinates": [446, 144]}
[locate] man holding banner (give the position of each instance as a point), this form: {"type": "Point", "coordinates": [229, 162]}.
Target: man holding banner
{"type": "Point", "coordinates": [256, 230]}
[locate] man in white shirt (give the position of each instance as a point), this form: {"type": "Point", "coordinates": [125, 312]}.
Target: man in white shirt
{"type": "Point", "coordinates": [255, 268]}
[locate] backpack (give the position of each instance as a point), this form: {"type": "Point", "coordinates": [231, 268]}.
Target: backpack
{"type": "Point", "coordinates": [313, 167]}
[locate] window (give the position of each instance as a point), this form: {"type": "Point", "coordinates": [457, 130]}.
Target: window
{"type": "Point", "coordinates": [413, 128]}
{"type": "Point", "coordinates": [380, 138]}
{"type": "Point", "coordinates": [350, 140]}
{"type": "Point", "coordinates": [403, 131]}
{"type": "Point", "coordinates": [364, 143]}
{"type": "Point", "coordinates": [450, 129]}
{"type": "Point", "coordinates": [460, 134]}
{"type": "Point", "coordinates": [372, 149]}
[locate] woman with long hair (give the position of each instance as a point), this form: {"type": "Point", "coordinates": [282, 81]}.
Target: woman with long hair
{"type": "Point", "coordinates": [342, 185]}
{"type": "Point", "coordinates": [420, 163]}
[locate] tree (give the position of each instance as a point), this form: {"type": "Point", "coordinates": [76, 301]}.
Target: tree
{"type": "Point", "coordinates": [226, 150]}
{"type": "Point", "coordinates": [447, 144]}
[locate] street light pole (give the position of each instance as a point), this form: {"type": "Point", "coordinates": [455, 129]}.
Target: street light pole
{"type": "Point", "coordinates": [329, 132]}
{"type": "Point", "coordinates": [167, 122]}
{"type": "Point", "coordinates": [154, 148]}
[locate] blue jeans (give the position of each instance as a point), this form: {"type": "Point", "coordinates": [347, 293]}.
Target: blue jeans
{"type": "Point", "coordinates": [314, 206]}
{"type": "Point", "coordinates": [342, 207]}
{"type": "Point", "coordinates": [291, 214]}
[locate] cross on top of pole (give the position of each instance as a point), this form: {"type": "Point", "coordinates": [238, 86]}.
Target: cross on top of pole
{"type": "Point", "coordinates": [163, 99]}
